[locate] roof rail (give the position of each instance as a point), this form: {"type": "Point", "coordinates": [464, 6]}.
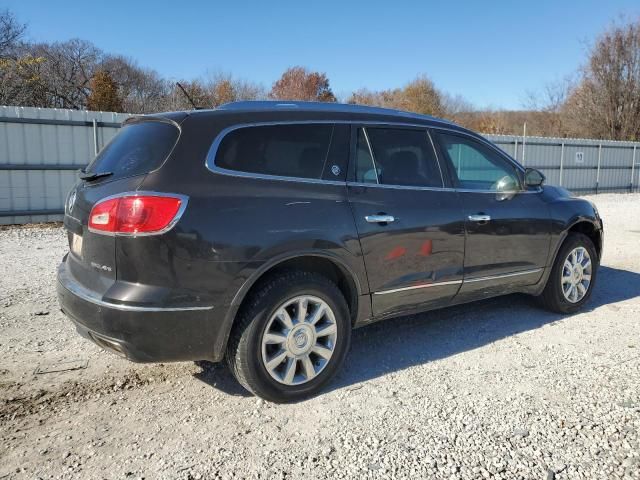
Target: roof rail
{"type": "Point", "coordinates": [321, 106]}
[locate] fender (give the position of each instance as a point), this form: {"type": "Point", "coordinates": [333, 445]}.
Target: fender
{"type": "Point", "coordinates": [266, 266]}
{"type": "Point", "coordinates": [572, 223]}
{"type": "Point", "coordinates": [559, 240]}
{"type": "Point", "coordinates": [236, 302]}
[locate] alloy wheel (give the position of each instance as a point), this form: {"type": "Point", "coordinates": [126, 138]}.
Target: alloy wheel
{"type": "Point", "coordinates": [576, 274]}
{"type": "Point", "coordinates": [299, 340]}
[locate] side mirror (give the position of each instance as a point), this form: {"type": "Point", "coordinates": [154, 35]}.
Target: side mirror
{"type": "Point", "coordinates": [533, 177]}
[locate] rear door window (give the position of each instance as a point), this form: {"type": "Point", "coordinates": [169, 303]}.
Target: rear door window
{"type": "Point", "coordinates": [137, 149]}
{"type": "Point", "coordinates": [365, 167]}
{"type": "Point", "coordinates": [396, 156]}
{"type": "Point", "coordinates": [297, 150]}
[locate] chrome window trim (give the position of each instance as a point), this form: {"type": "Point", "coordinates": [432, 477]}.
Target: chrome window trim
{"type": "Point", "coordinates": [262, 176]}
{"type": "Point", "coordinates": [435, 154]}
{"type": "Point", "coordinates": [373, 159]}
{"type": "Point", "coordinates": [184, 200]}
{"type": "Point", "coordinates": [438, 189]}
{"type": "Point", "coordinates": [213, 150]}
{"type": "Point", "coordinates": [458, 282]}
{"type": "Point", "coordinates": [498, 192]}
{"type": "Point", "coordinates": [401, 187]}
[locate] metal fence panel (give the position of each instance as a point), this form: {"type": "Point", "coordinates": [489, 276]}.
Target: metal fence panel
{"type": "Point", "coordinates": [580, 165]}
{"type": "Point", "coordinates": [635, 171]}
{"type": "Point", "coordinates": [40, 151]}
{"type": "Point", "coordinates": [543, 156]}
{"type": "Point", "coordinates": [509, 147]}
{"type": "Point", "coordinates": [614, 180]}
{"type": "Point", "coordinates": [588, 159]}
{"type": "Point", "coordinates": [579, 180]}
{"type": "Point", "coordinates": [617, 157]}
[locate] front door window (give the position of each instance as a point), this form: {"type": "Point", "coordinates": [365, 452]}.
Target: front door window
{"type": "Point", "coordinates": [476, 167]}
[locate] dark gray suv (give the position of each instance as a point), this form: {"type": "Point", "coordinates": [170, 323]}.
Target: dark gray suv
{"type": "Point", "coordinates": [263, 232]}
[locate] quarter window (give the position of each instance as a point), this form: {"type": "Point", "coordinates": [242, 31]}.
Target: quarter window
{"type": "Point", "coordinates": [475, 166]}
{"type": "Point", "coordinates": [282, 150]}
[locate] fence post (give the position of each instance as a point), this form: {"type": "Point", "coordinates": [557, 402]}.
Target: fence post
{"type": "Point", "coordinates": [561, 161]}
{"type": "Point", "coordinates": [633, 166]}
{"type": "Point", "coordinates": [95, 137]}
{"type": "Point", "coordinates": [524, 140]}
{"type": "Point", "coordinates": [598, 172]}
{"type": "Point", "coordinates": [515, 150]}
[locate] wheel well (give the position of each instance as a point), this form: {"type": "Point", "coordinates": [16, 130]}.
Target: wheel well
{"type": "Point", "coordinates": [332, 270]}
{"type": "Point", "coordinates": [588, 229]}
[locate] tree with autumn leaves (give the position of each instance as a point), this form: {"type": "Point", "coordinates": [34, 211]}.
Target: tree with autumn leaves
{"type": "Point", "coordinates": [419, 96]}
{"type": "Point", "coordinates": [299, 83]}
{"type": "Point", "coordinates": [601, 100]}
{"type": "Point", "coordinates": [104, 94]}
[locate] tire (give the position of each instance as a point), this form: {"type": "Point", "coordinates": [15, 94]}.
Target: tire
{"type": "Point", "coordinates": [553, 297]}
{"type": "Point", "coordinates": [249, 352]}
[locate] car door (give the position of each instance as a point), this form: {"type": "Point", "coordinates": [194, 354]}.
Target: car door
{"type": "Point", "coordinates": [507, 227]}
{"type": "Point", "coordinates": [408, 220]}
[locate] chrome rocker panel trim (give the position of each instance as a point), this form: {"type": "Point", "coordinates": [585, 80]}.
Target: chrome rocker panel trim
{"type": "Point", "coordinates": [458, 282]}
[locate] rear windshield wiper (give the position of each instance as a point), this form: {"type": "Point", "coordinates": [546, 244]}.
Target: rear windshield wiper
{"type": "Point", "coordinates": [93, 176]}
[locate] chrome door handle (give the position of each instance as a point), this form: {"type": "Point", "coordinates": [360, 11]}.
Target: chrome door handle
{"type": "Point", "coordinates": [479, 218]}
{"type": "Point", "coordinates": [379, 218]}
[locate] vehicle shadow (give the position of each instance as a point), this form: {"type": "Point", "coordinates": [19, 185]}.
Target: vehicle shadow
{"type": "Point", "coordinates": [399, 343]}
{"type": "Point", "coordinates": [218, 376]}
{"type": "Point", "coordinates": [396, 344]}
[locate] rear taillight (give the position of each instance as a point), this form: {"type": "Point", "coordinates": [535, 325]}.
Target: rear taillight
{"type": "Point", "coordinates": [136, 214]}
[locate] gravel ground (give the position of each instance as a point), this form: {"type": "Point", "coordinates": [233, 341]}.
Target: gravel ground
{"type": "Point", "coordinates": [496, 389]}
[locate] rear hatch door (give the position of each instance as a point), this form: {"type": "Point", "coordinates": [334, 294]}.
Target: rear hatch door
{"type": "Point", "coordinates": [141, 146]}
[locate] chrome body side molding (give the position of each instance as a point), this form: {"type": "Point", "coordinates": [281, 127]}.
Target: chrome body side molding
{"type": "Point", "coordinates": [503, 275]}
{"type": "Point", "coordinates": [415, 287]}
{"type": "Point", "coordinates": [459, 282]}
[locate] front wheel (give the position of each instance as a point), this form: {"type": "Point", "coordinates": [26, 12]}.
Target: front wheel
{"type": "Point", "coordinates": [291, 337]}
{"type": "Point", "coordinates": [573, 275]}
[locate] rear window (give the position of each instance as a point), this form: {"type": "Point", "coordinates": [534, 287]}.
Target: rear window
{"type": "Point", "coordinates": [284, 150]}
{"type": "Point", "coordinates": [138, 148]}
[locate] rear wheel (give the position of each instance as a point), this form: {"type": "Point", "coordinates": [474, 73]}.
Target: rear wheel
{"type": "Point", "coordinates": [291, 337]}
{"type": "Point", "coordinates": [573, 275]}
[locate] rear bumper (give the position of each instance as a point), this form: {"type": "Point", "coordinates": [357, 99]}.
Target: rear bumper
{"type": "Point", "coordinates": [141, 334]}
